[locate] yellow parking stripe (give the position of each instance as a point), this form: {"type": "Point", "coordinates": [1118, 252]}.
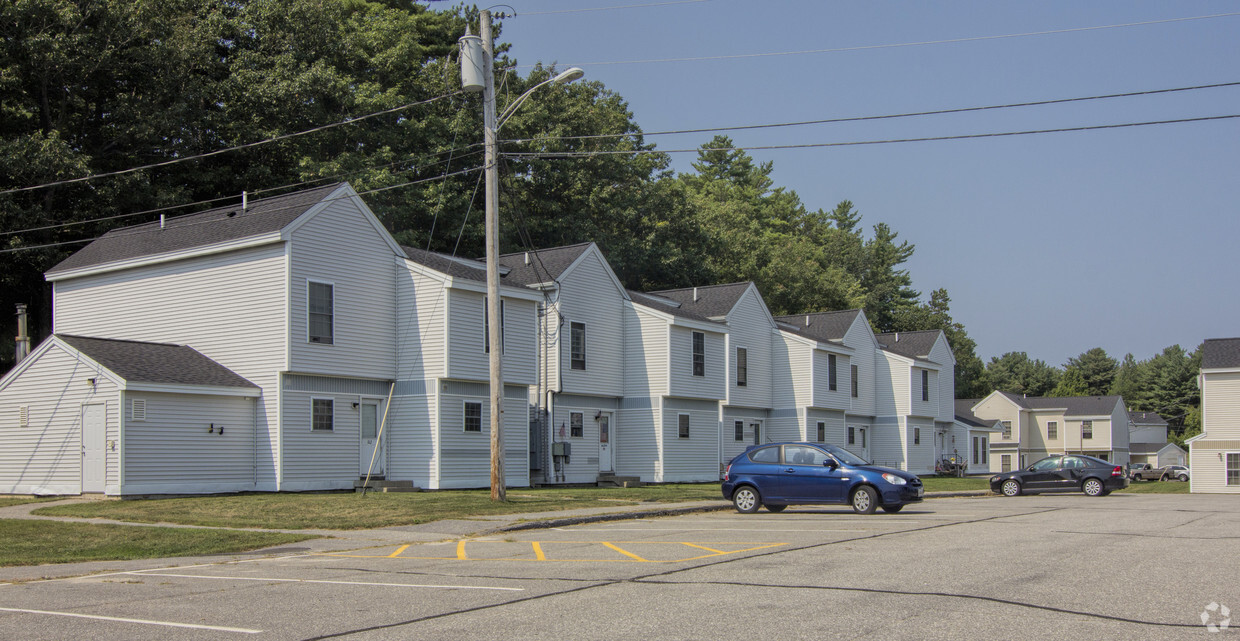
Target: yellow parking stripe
{"type": "Point", "coordinates": [624, 552]}
{"type": "Point", "coordinates": [538, 552]}
{"type": "Point", "coordinates": [702, 547]}
{"type": "Point", "coordinates": [460, 550]}
{"type": "Point", "coordinates": [398, 551]}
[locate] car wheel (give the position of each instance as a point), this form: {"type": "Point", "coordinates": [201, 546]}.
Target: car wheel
{"type": "Point", "coordinates": [864, 500]}
{"type": "Point", "coordinates": [746, 499]}
{"type": "Point", "coordinates": [1011, 488]}
{"type": "Point", "coordinates": [1093, 487]}
{"type": "Point", "coordinates": [892, 509]}
{"type": "Point", "coordinates": [1184, 477]}
{"type": "Point", "coordinates": [1164, 477]}
{"type": "Point", "coordinates": [775, 508]}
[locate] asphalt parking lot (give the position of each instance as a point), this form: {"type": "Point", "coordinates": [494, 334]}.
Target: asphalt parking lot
{"type": "Point", "coordinates": [1033, 567]}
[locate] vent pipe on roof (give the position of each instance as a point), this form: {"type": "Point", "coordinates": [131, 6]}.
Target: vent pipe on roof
{"type": "Point", "coordinates": [161, 221]}
{"type": "Point", "coordinates": [23, 338]}
{"type": "Point", "coordinates": [695, 296]}
{"type": "Point", "coordinates": [245, 201]}
{"type": "Point", "coordinates": [807, 320]}
{"type": "Point", "coordinates": [527, 258]}
{"type": "Point", "coordinates": [897, 337]}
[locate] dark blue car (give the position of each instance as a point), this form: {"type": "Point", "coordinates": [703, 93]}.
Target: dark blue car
{"type": "Point", "coordinates": [781, 474]}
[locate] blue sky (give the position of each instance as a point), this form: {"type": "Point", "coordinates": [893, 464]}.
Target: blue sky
{"type": "Point", "coordinates": [1051, 244]}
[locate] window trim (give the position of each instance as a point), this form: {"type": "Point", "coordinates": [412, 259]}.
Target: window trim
{"type": "Point", "coordinates": [856, 381]}
{"type": "Point", "coordinates": [579, 429]}
{"type": "Point", "coordinates": [683, 423]}
{"type": "Point", "coordinates": [925, 386]}
{"type": "Point", "coordinates": [1005, 463]}
{"type": "Point", "coordinates": [852, 435]}
{"type": "Point", "coordinates": [916, 435]}
{"type": "Point", "coordinates": [985, 451]}
{"type": "Point", "coordinates": [1088, 423]}
{"type": "Point", "coordinates": [1052, 430]}
{"type": "Point", "coordinates": [699, 356]}
{"type": "Point", "coordinates": [1226, 461]}
{"type": "Point", "coordinates": [332, 316]}
{"type": "Point", "coordinates": [573, 361]}
{"type": "Point", "coordinates": [742, 373]}
{"type": "Point", "coordinates": [832, 378]}
{"type": "Point", "coordinates": [739, 428]}
{"type": "Point", "coordinates": [1007, 430]}
{"type": "Point", "coordinates": [975, 451]}
{"type": "Point", "coordinates": [822, 432]}
{"type": "Point", "coordinates": [134, 414]}
{"type": "Point", "coordinates": [465, 403]}
{"type": "Point", "coordinates": [331, 417]}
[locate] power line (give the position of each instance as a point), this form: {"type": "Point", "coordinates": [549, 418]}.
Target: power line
{"type": "Point", "coordinates": [627, 6]}
{"type": "Point", "coordinates": [174, 161]}
{"type": "Point", "coordinates": [1027, 34]}
{"type": "Point", "coordinates": [585, 154]}
{"type": "Point", "coordinates": [887, 116]}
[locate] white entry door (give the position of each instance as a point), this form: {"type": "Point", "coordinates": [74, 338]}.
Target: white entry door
{"type": "Point", "coordinates": [94, 447]}
{"type": "Point", "coordinates": [606, 460]}
{"type": "Point", "coordinates": [371, 446]}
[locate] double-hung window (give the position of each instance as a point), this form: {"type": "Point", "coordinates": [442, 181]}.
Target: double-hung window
{"type": "Point", "coordinates": [473, 416]}
{"type": "Point", "coordinates": [925, 385]}
{"type": "Point", "coordinates": [577, 345]}
{"type": "Point", "coordinates": [831, 382]}
{"type": "Point", "coordinates": [742, 367]}
{"type": "Point", "coordinates": [1007, 429]}
{"type": "Point", "coordinates": [1233, 468]}
{"type": "Point", "coordinates": [740, 430]}
{"type": "Point", "coordinates": [855, 381]}
{"type": "Point", "coordinates": [916, 436]}
{"type": "Point", "coordinates": [1052, 429]}
{"type": "Point", "coordinates": [576, 424]}
{"type": "Point", "coordinates": [322, 414]}
{"type": "Point", "coordinates": [699, 354]}
{"type": "Point", "coordinates": [822, 432]}
{"type": "Point", "coordinates": [1087, 429]}
{"type": "Point", "coordinates": [683, 426]}
{"type": "Point", "coordinates": [322, 312]}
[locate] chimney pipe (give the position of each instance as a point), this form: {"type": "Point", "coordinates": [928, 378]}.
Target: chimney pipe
{"type": "Point", "coordinates": [527, 258]}
{"type": "Point", "coordinates": [23, 336]}
{"type": "Point", "coordinates": [807, 320]}
{"type": "Point", "coordinates": [245, 201]}
{"type": "Point", "coordinates": [695, 296]}
{"type": "Point", "coordinates": [161, 221]}
{"type": "Point", "coordinates": [897, 337]}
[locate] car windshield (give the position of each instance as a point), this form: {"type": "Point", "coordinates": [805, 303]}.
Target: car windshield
{"type": "Point", "coordinates": [844, 456]}
{"type": "Point", "coordinates": [1048, 463]}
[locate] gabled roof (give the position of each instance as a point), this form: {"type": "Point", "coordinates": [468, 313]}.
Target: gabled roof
{"type": "Point", "coordinates": [669, 306]}
{"type": "Point", "coordinates": [1072, 405]}
{"type": "Point", "coordinates": [829, 326]}
{"type": "Point", "coordinates": [964, 414]}
{"type": "Point", "coordinates": [712, 301]}
{"type": "Point", "coordinates": [1220, 353]}
{"type": "Point", "coordinates": [211, 227]}
{"type": "Point", "coordinates": [445, 264]}
{"type": "Point", "coordinates": [910, 344]}
{"type": "Point", "coordinates": [1146, 418]}
{"type": "Point", "coordinates": [160, 363]}
{"type": "Point", "coordinates": [543, 265]}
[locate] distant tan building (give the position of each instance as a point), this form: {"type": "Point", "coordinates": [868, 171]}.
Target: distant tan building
{"type": "Point", "coordinates": [1215, 453]}
{"type": "Point", "coordinates": [1037, 427]}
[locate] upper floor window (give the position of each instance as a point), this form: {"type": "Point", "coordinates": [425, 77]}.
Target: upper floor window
{"type": "Point", "coordinates": [322, 308]}
{"type": "Point", "coordinates": [925, 385]}
{"type": "Point", "coordinates": [577, 347]}
{"type": "Point", "coordinates": [486, 326]}
{"type": "Point", "coordinates": [1052, 429]}
{"type": "Point", "coordinates": [1087, 429]}
{"type": "Point", "coordinates": [1007, 429]}
{"type": "Point", "coordinates": [699, 354]}
{"type": "Point", "coordinates": [742, 367]}
{"type": "Point", "coordinates": [831, 382]}
{"type": "Point", "coordinates": [855, 381]}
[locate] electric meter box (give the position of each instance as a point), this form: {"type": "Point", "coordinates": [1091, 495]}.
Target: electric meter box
{"type": "Point", "coordinates": [561, 448]}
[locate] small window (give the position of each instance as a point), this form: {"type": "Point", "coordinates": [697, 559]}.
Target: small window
{"type": "Point", "coordinates": [742, 367]}
{"type": "Point", "coordinates": [765, 455]}
{"type": "Point", "coordinates": [1233, 468]}
{"type": "Point", "coordinates": [822, 432]}
{"type": "Point", "coordinates": [576, 424]}
{"type": "Point", "coordinates": [138, 409]}
{"type": "Point", "coordinates": [23, 416]}
{"type": "Point", "coordinates": [322, 414]}
{"type": "Point", "coordinates": [1005, 463]}
{"type": "Point", "coordinates": [757, 432]}
{"type": "Point", "coordinates": [322, 312]}
{"type": "Point", "coordinates": [975, 448]}
{"type": "Point", "coordinates": [1007, 429]}
{"type": "Point", "coordinates": [473, 416]}
{"type": "Point", "coordinates": [1052, 429]}
{"type": "Point", "coordinates": [925, 385]}
{"type": "Point", "coordinates": [1087, 429]}
{"type": "Point", "coordinates": [740, 430]}
{"type": "Point", "coordinates": [699, 354]}
{"type": "Point", "coordinates": [577, 348]}
{"type": "Point", "coordinates": [486, 326]}
{"type": "Point", "coordinates": [916, 436]}
{"type": "Point", "coordinates": [684, 426]}
{"type": "Point", "coordinates": [985, 457]}
{"type": "Point", "coordinates": [831, 382]}
{"type": "Point", "coordinates": [852, 435]}
{"type": "Point", "coordinates": [855, 381]}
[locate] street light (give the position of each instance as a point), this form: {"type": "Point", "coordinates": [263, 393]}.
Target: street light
{"type": "Point", "coordinates": [471, 60]}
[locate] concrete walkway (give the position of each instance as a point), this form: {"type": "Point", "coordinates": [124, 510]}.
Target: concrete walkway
{"type": "Point", "coordinates": [348, 540]}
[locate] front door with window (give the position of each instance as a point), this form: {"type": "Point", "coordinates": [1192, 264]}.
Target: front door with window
{"type": "Point", "coordinates": [756, 426]}
{"type": "Point", "coordinates": [94, 447]}
{"type": "Point", "coordinates": [370, 446]}
{"type": "Point", "coordinates": [606, 461]}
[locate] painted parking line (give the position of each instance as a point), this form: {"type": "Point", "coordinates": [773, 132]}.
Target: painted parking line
{"type": "Point", "coordinates": [167, 624]}
{"type": "Point", "coordinates": [571, 551]}
{"type": "Point", "coordinates": [323, 581]}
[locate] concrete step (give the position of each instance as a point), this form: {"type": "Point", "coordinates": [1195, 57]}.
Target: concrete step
{"type": "Point", "coordinates": [611, 480]}
{"type": "Point", "coordinates": [381, 485]}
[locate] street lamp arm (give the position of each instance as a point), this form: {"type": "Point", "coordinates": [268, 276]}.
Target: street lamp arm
{"type": "Point", "coordinates": [568, 75]}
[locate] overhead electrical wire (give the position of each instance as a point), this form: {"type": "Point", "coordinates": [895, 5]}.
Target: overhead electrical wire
{"type": "Point", "coordinates": [586, 9]}
{"type": "Point", "coordinates": [217, 152]}
{"type": "Point", "coordinates": [586, 154]}
{"type": "Point", "coordinates": [1027, 34]}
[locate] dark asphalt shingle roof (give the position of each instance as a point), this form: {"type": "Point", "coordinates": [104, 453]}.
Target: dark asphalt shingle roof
{"type": "Point", "coordinates": [964, 413]}
{"type": "Point", "coordinates": [142, 362]}
{"type": "Point", "coordinates": [544, 265]}
{"type": "Point", "coordinates": [911, 344]}
{"type": "Point", "coordinates": [1072, 405]}
{"type": "Point", "coordinates": [446, 264]}
{"type": "Point", "coordinates": [1218, 353]}
{"type": "Point", "coordinates": [210, 227]}
{"type": "Point", "coordinates": [1146, 418]}
{"type": "Point", "coordinates": [668, 306]}
{"type": "Point", "coordinates": [830, 326]}
{"type": "Point", "coordinates": [712, 301]}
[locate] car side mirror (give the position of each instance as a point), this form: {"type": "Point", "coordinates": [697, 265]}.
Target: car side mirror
{"type": "Point", "coordinates": [831, 463]}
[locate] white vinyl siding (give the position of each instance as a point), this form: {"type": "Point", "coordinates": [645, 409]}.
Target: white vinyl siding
{"type": "Point", "coordinates": [33, 460]}
{"type": "Point", "coordinates": [923, 381]}
{"type": "Point", "coordinates": [422, 313]}
{"type": "Point", "coordinates": [191, 443]}
{"type": "Point", "coordinates": [230, 307]}
{"type": "Point", "coordinates": [467, 358]}
{"type": "Point", "coordinates": [410, 437]}
{"type": "Point", "coordinates": [749, 328]}
{"type": "Point", "coordinates": [465, 457]}
{"type": "Point", "coordinates": [941, 353]}
{"type": "Point", "coordinates": [1220, 405]}
{"type": "Point", "coordinates": [693, 458]}
{"type": "Point", "coordinates": [588, 295]}
{"type": "Point", "coordinates": [834, 426]}
{"type": "Point", "coordinates": [824, 396]}
{"type": "Point", "coordinates": [646, 340]}
{"type": "Point", "coordinates": [860, 338]}
{"type": "Point", "coordinates": [319, 459]}
{"type": "Point", "coordinates": [338, 245]}
{"type": "Point", "coordinates": [920, 457]}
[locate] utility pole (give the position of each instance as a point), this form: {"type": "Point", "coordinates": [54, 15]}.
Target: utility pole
{"type": "Point", "coordinates": [493, 311]}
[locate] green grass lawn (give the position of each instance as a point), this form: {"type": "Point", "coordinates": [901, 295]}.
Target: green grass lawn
{"type": "Point", "coordinates": [1156, 487]}
{"type": "Point", "coordinates": [349, 511]}
{"type": "Point", "coordinates": [6, 501]}
{"type": "Point", "coordinates": [955, 484]}
{"type": "Point", "coordinates": [30, 542]}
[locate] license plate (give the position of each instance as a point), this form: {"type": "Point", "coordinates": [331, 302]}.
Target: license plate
{"type": "Point", "coordinates": [921, 491]}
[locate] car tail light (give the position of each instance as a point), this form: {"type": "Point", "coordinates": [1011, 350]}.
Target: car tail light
{"type": "Point", "coordinates": [1118, 471]}
{"type": "Point", "coordinates": [727, 470]}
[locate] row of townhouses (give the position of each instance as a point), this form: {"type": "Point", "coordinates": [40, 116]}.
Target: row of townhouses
{"type": "Point", "coordinates": [293, 345]}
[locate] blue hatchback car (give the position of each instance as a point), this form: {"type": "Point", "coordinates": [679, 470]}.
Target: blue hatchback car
{"type": "Point", "coordinates": [777, 475]}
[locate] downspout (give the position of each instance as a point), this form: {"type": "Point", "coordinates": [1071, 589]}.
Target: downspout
{"type": "Point", "coordinates": [255, 441]}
